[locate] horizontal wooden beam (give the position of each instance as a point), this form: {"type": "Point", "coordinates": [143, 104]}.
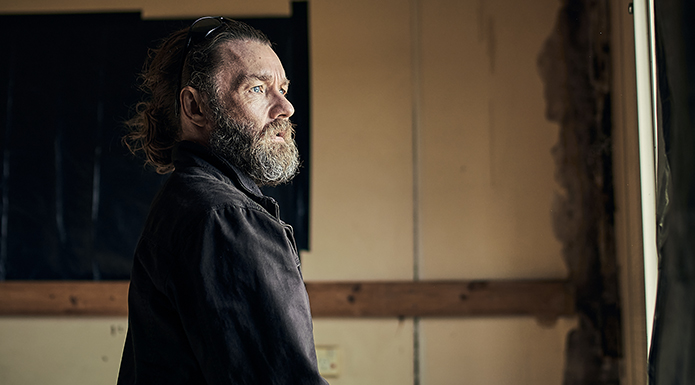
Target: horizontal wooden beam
{"type": "Point", "coordinates": [101, 298]}
{"type": "Point", "coordinates": [540, 298]}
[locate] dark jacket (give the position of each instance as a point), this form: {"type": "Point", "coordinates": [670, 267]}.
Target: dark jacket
{"type": "Point", "coordinates": [216, 294]}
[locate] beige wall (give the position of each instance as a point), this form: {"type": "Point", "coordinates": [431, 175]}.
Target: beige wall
{"type": "Point", "coordinates": [60, 351]}
{"type": "Point", "coordinates": [362, 201]}
{"type": "Point", "coordinates": [431, 149]}
{"type": "Point", "coordinates": [487, 172]}
{"type": "Point", "coordinates": [431, 159]}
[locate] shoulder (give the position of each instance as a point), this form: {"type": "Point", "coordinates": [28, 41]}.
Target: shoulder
{"type": "Point", "coordinates": [203, 199]}
{"type": "Point", "coordinates": [202, 189]}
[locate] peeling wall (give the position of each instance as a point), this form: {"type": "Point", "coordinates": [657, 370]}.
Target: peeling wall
{"type": "Point", "coordinates": [575, 65]}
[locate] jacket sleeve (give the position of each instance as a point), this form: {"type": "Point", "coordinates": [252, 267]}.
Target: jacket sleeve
{"type": "Point", "coordinates": [242, 301]}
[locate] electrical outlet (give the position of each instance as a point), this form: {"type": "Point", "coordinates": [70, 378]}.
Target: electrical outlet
{"type": "Point", "coordinates": [328, 360]}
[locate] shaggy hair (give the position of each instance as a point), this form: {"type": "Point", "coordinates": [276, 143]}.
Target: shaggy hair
{"type": "Point", "coordinates": [155, 128]}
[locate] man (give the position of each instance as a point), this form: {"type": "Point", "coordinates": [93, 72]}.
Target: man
{"type": "Point", "coordinates": [216, 294]}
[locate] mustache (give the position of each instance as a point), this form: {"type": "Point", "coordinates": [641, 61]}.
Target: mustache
{"type": "Point", "coordinates": [279, 127]}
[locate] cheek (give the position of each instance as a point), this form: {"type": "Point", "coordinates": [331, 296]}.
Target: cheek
{"type": "Point", "coordinates": [256, 111]}
{"type": "Point", "coordinates": [245, 106]}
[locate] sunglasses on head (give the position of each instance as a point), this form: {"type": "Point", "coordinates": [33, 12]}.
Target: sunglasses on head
{"type": "Point", "coordinates": [200, 30]}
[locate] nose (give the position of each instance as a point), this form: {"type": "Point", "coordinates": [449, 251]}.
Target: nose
{"type": "Point", "coordinates": [282, 108]}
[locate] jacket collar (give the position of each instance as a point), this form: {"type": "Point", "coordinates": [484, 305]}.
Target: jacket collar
{"type": "Point", "coordinates": [182, 154]}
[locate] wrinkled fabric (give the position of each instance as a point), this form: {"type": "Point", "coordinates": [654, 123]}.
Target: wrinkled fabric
{"type": "Point", "coordinates": [216, 293]}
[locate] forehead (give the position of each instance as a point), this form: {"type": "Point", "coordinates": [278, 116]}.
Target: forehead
{"type": "Point", "coordinates": [245, 58]}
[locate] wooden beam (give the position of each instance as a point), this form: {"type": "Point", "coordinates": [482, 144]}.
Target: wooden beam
{"type": "Point", "coordinates": [540, 298]}
{"type": "Point", "coordinates": [546, 299]}
{"type": "Point", "coordinates": [41, 298]}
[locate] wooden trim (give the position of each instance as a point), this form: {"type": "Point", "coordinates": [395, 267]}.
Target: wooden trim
{"type": "Point", "coordinates": [628, 201]}
{"type": "Point", "coordinates": [152, 9]}
{"type": "Point", "coordinates": [440, 299]}
{"type": "Point", "coordinates": [101, 298]}
{"type": "Point", "coordinates": [541, 298]}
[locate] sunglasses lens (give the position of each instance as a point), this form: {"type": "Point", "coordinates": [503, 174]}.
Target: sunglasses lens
{"type": "Point", "coordinates": [202, 27]}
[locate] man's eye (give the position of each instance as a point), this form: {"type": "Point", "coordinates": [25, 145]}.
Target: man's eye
{"type": "Point", "coordinates": [257, 89]}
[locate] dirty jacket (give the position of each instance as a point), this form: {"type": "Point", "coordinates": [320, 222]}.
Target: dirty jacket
{"type": "Point", "coordinates": [216, 293]}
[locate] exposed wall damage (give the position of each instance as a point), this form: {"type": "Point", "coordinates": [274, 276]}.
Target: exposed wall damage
{"type": "Point", "coordinates": [575, 67]}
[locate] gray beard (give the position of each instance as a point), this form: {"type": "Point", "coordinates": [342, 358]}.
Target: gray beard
{"type": "Point", "coordinates": [267, 162]}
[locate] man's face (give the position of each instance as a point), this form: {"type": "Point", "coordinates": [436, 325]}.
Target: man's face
{"type": "Point", "coordinates": [251, 113]}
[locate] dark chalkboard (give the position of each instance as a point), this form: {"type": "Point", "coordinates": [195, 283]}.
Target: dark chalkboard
{"type": "Point", "coordinates": [73, 199]}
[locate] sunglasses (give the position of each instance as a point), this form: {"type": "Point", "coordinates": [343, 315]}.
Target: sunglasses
{"type": "Point", "coordinates": [200, 30]}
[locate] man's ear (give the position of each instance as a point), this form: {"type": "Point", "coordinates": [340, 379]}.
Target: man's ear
{"type": "Point", "coordinates": [195, 125]}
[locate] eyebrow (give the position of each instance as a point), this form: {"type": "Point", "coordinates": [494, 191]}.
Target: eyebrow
{"type": "Point", "coordinates": [261, 77]}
